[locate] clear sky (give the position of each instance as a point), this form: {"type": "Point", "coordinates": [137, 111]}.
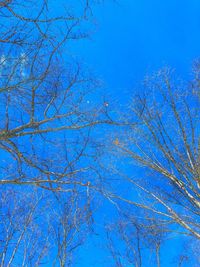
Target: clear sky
{"type": "Point", "coordinates": [132, 38]}
{"type": "Point", "coordinates": [129, 39]}
{"type": "Point", "coordinates": [135, 37]}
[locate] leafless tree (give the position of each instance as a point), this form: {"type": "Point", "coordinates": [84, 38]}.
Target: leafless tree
{"type": "Point", "coordinates": [163, 145]}
{"type": "Point", "coordinates": [70, 230]}
{"type": "Point", "coordinates": [160, 148]}
{"type": "Point", "coordinates": [36, 229]}
{"type": "Point", "coordinates": [45, 117]}
{"type": "Point", "coordinates": [46, 123]}
{"type": "Point", "coordinates": [140, 240]}
{"type": "Point", "coordinates": [22, 240]}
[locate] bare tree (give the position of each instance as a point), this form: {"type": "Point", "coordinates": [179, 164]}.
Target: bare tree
{"type": "Point", "coordinates": [137, 239]}
{"type": "Point", "coordinates": [70, 230]}
{"type": "Point", "coordinates": [44, 94]}
{"type": "Point", "coordinates": [156, 164]}
{"type": "Point", "coordinates": [162, 143]}
{"type": "Point", "coordinates": [37, 229]}
{"type": "Point", "coordinates": [46, 127]}
{"type": "Point", "coordinates": [23, 241]}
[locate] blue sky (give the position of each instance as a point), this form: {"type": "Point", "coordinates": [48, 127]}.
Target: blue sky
{"type": "Point", "coordinates": [129, 39]}
{"type": "Point", "coordinates": [133, 38]}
